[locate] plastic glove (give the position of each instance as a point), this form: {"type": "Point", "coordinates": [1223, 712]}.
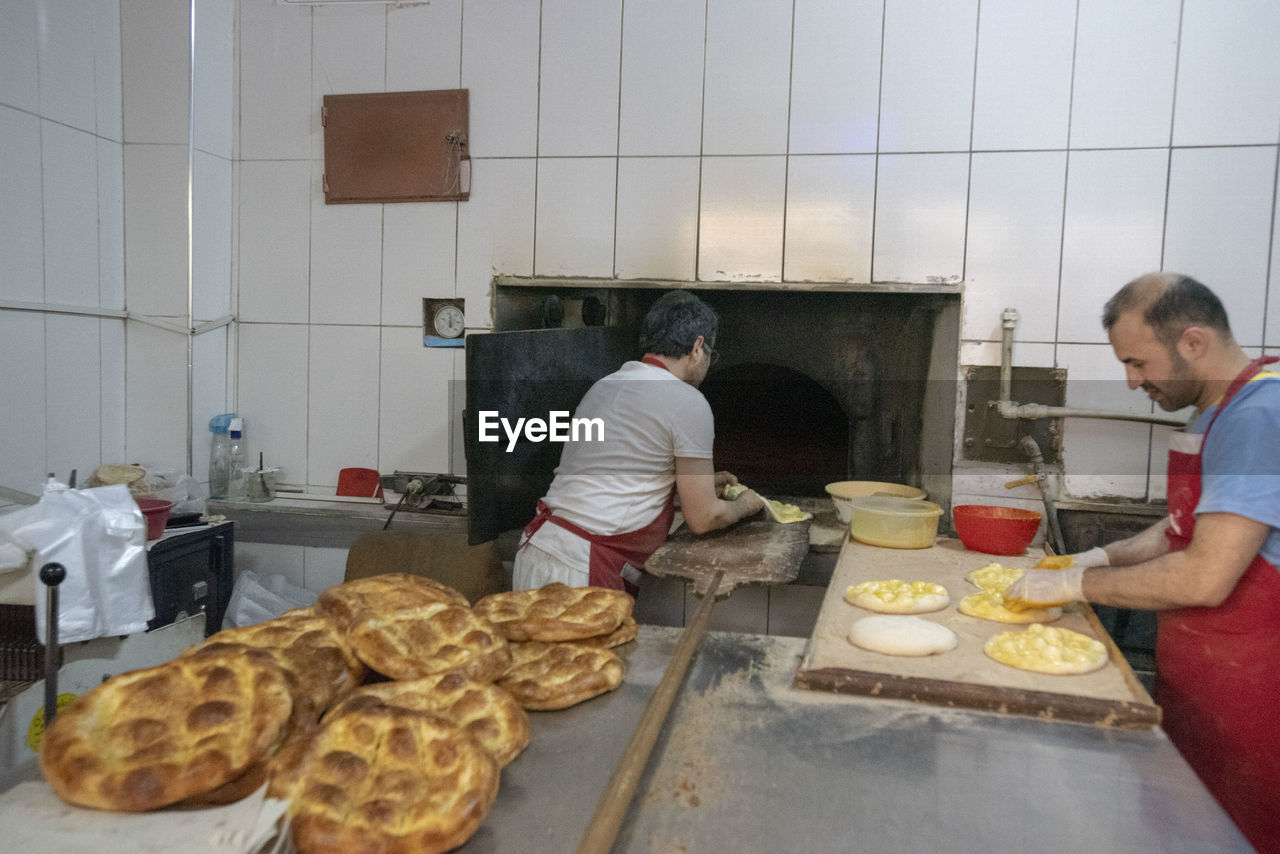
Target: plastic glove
{"type": "Point", "coordinates": [1096, 556]}
{"type": "Point", "coordinates": [1045, 588]}
{"type": "Point", "coordinates": [1093, 557]}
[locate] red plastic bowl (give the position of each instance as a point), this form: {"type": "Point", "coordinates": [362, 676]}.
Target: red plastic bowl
{"type": "Point", "coordinates": [995, 530]}
{"type": "Point", "coordinates": [157, 512]}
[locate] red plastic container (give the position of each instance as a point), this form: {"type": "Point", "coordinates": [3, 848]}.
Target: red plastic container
{"type": "Point", "coordinates": [995, 530]}
{"type": "Point", "coordinates": [358, 482]}
{"type": "Point", "coordinates": [156, 510]}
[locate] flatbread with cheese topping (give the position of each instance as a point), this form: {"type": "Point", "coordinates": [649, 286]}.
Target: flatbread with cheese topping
{"type": "Point", "coordinates": [990, 606]}
{"type": "Point", "coordinates": [894, 596]}
{"type": "Point", "coordinates": [1047, 649]}
{"type": "Point", "coordinates": [994, 577]}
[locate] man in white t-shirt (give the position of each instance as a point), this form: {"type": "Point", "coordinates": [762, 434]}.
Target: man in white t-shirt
{"type": "Point", "coordinates": [611, 503]}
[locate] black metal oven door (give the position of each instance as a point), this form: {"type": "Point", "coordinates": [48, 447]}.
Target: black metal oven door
{"type": "Point", "coordinates": [528, 374]}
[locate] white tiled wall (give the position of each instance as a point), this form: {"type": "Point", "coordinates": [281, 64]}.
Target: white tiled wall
{"type": "Point", "coordinates": [1029, 151]}
{"type": "Point", "coordinates": [61, 240]}
{"type": "Point", "coordinates": [1040, 154]}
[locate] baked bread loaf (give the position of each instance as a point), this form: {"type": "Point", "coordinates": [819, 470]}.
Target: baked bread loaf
{"type": "Point", "coordinates": [383, 779]}
{"type": "Point", "coordinates": [110, 474]}
{"type": "Point", "coordinates": [624, 633]}
{"type": "Point", "coordinates": [311, 647]}
{"type": "Point", "coordinates": [280, 757]}
{"type": "Point", "coordinates": [413, 642]}
{"type": "Point", "coordinates": [485, 712]}
{"type": "Point", "coordinates": [545, 676]}
{"type": "Point", "coordinates": [556, 612]}
{"type": "Point", "coordinates": [382, 594]}
{"type": "Point", "coordinates": [149, 738]}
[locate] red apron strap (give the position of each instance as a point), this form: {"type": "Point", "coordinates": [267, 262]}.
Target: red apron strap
{"type": "Point", "coordinates": [650, 359]}
{"type": "Point", "coordinates": [1241, 380]}
{"type": "Point", "coordinates": [1217, 681]}
{"type": "Point", "coordinates": [1183, 476]}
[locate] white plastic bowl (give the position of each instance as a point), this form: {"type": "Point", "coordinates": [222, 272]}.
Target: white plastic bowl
{"type": "Point", "coordinates": [843, 492]}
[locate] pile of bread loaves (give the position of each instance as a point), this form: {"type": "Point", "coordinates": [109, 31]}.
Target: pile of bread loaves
{"type": "Point", "coordinates": [384, 712]}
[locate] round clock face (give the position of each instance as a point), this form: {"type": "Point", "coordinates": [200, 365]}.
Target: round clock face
{"type": "Point", "coordinates": [448, 321]}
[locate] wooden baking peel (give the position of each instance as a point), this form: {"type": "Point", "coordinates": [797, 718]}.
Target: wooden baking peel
{"type": "Point", "coordinates": [760, 551]}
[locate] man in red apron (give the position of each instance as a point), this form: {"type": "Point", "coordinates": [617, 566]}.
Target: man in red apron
{"type": "Point", "coordinates": [1210, 567]}
{"type": "Point", "coordinates": [611, 503]}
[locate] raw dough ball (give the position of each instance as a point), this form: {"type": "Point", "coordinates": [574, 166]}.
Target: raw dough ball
{"type": "Point", "coordinates": [893, 635]}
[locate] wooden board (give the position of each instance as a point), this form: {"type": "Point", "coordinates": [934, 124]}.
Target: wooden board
{"type": "Point", "coordinates": [757, 551]}
{"type": "Point", "coordinates": [964, 677]}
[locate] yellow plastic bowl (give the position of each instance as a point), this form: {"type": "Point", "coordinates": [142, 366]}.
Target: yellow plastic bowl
{"type": "Point", "coordinates": [894, 523]}
{"type": "Point", "coordinates": [843, 492]}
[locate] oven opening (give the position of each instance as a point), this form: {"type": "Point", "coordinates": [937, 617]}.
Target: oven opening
{"type": "Point", "coordinates": [778, 430]}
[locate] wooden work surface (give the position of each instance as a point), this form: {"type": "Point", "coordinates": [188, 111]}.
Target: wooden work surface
{"type": "Point", "coordinates": [965, 676]}
{"type": "Point", "coordinates": [755, 551]}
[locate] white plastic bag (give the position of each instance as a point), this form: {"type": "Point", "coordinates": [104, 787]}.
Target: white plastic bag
{"type": "Point", "coordinates": [187, 494]}
{"type": "Point", "coordinates": [258, 598]}
{"type": "Point", "coordinates": [99, 536]}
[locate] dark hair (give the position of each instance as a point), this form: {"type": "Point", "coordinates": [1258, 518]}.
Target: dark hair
{"type": "Point", "coordinates": [1170, 302]}
{"type": "Point", "coordinates": [674, 323]}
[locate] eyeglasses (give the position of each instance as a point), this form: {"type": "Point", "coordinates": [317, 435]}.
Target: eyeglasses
{"type": "Point", "coordinates": [712, 355]}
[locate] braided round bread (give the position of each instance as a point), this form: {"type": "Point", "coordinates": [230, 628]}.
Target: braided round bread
{"type": "Point", "coordinates": [556, 612]}
{"type": "Point", "coordinates": [149, 738]}
{"type": "Point", "coordinates": [413, 642]}
{"type": "Point", "coordinates": [381, 594]}
{"type": "Point", "coordinates": [545, 676]}
{"type": "Point", "coordinates": [487, 713]}
{"type": "Point", "coordinates": [384, 779]}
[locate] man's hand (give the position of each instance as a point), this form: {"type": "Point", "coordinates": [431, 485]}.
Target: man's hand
{"type": "Point", "coordinates": [1094, 557]}
{"type": "Point", "coordinates": [1045, 588]}
{"type": "Point", "coordinates": [751, 503]}
{"type": "Point", "coordinates": [701, 488]}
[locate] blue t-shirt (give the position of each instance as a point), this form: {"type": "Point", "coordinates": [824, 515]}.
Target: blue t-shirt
{"type": "Point", "coordinates": [1241, 459]}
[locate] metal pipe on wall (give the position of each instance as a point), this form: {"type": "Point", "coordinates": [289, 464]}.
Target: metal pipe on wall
{"type": "Point", "coordinates": [1008, 408]}
{"type": "Point", "coordinates": [1008, 320]}
{"type": "Point", "coordinates": [1032, 411]}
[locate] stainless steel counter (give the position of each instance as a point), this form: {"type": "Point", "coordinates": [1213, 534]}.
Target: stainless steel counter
{"type": "Point", "coordinates": [748, 764]}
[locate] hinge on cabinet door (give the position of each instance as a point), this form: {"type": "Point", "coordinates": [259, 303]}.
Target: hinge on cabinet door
{"type": "Point", "coordinates": [324, 116]}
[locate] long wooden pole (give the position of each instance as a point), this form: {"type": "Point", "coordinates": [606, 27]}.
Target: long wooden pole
{"type": "Point", "coordinates": [616, 799]}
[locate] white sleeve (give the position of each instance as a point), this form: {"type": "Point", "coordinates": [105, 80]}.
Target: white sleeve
{"type": "Point", "coordinates": [693, 429]}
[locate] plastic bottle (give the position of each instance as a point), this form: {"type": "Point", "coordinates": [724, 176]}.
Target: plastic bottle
{"type": "Point", "coordinates": [238, 455]}
{"type": "Point", "coordinates": [220, 455]}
